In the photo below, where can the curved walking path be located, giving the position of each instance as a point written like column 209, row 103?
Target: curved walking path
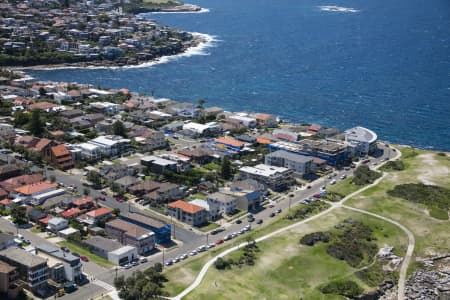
column 403, row 269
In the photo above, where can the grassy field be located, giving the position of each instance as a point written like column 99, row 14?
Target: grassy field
column 431, row 234
column 287, row 270
column 344, row 187
column 83, row 251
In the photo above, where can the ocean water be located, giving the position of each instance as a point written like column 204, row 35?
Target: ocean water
column 375, row 63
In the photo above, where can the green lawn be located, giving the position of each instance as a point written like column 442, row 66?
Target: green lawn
column 344, row 187
column 84, row 251
column 35, row 230
column 285, row 269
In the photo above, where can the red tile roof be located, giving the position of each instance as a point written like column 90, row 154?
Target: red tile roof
column 60, row 150
column 186, row 206
column 42, row 144
column 263, row 141
column 45, row 220
column 5, row 202
column 83, row 201
column 230, row 141
column 14, row 182
column 264, row 117
column 70, row 212
column 35, row 188
column 99, row 212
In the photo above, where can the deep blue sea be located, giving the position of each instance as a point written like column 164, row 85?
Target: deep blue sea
column 385, row 65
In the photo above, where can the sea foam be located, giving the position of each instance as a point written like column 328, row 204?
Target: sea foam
column 334, row 8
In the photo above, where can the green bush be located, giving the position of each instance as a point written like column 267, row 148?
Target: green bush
column 393, row 165
column 315, row 237
column 438, row 213
column 364, row 175
column 435, row 197
column 346, row 288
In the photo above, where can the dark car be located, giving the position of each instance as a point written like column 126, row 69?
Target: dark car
column 251, row 220
column 316, row 196
column 84, row 258
column 65, row 249
column 238, row 221
column 259, row 221
column 278, row 211
column 272, row 215
column 75, row 254
column 218, row 242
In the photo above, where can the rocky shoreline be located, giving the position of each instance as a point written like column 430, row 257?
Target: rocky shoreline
column 197, row 41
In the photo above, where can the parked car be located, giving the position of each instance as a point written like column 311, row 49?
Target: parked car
column 84, row 258
column 104, row 193
column 260, row 221
column 238, row 221
column 308, row 187
column 128, row 266
column 251, row 220
column 278, row 211
column 317, row 196
column 135, row 263
column 75, row 254
column 218, row 242
column 144, row 260
column 272, row 215
column 65, row 249
column 169, row 262
column 343, row 176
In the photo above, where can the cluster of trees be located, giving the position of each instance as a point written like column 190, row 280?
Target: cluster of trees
column 19, row 214
column 364, row 175
column 305, row 211
column 142, row 285
column 346, row 288
column 247, row 257
column 38, row 58
column 353, row 243
column 436, row 198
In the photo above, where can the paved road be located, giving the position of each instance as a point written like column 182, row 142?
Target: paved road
column 333, row 206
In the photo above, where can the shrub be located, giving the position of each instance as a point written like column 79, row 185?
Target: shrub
column 364, row 175
column 315, row 237
column 394, row 165
column 346, row 288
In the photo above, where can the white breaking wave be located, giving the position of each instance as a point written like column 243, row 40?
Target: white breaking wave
column 201, row 11
column 209, row 41
column 338, row 9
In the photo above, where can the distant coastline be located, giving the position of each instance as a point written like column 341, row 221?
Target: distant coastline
column 200, row 42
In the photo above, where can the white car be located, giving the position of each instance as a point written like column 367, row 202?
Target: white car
column 211, row 245
column 333, row 182
column 193, row 253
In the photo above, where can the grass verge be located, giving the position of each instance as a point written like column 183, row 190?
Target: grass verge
column 83, row 251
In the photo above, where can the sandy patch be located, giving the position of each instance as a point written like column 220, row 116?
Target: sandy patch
column 431, row 170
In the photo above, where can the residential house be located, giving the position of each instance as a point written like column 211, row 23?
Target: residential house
column 97, row 215
column 112, row 172
column 166, row 192
column 248, row 194
column 56, row 224
column 221, row 204
column 229, row 143
column 196, row 129
column 275, row 178
column 82, row 204
column 131, row 234
column 158, row 165
column 61, row 157
column 111, row 145
column 201, row 155
column 43, row 148
column 266, row 121
column 145, row 187
column 33, row 270
column 162, row 230
column 246, row 121
column 188, row 213
column 15, row 182
column 35, row 215
column 71, row 213
column 212, row 111
column 3, row 194
column 125, row 182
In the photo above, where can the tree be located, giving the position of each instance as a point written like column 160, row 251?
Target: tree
column 36, row 126
column 116, row 211
column 226, row 171
column 86, row 192
column 19, row 214
column 119, row 282
column 119, row 129
column 20, row 118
